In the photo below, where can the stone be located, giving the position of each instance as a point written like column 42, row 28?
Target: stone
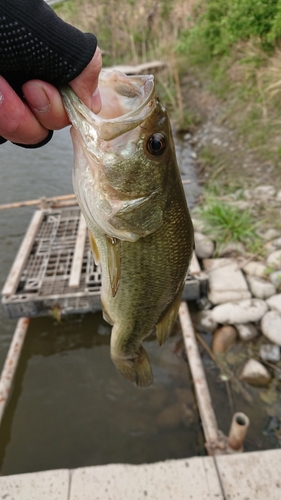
column 241, row 204
column 271, row 326
column 274, row 302
column 204, row 246
column 275, row 278
column 223, row 339
column 255, row 268
column 274, row 259
column 246, row 331
column 203, row 321
column 269, row 234
column 261, row 288
column 226, row 281
column 241, row 311
column 171, row 416
column 198, row 224
column 233, row 247
column 254, row 373
column 277, row 242
column 270, row 352
column 264, row 192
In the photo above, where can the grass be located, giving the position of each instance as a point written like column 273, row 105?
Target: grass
column 244, row 77
column 226, row 223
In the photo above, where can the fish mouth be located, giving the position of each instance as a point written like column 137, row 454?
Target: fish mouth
column 126, row 102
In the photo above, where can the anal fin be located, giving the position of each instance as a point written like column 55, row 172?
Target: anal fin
column 166, row 323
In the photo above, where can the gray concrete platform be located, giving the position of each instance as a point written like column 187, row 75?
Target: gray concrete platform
column 246, row 476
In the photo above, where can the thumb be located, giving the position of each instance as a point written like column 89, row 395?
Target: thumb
column 85, row 85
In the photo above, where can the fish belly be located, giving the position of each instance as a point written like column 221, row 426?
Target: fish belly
column 151, row 277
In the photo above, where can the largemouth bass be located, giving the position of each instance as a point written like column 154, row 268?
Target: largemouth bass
column 129, row 189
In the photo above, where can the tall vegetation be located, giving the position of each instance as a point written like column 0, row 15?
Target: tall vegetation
column 219, row 24
column 232, row 46
column 129, row 30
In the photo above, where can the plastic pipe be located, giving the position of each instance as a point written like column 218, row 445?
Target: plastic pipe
column 238, row 429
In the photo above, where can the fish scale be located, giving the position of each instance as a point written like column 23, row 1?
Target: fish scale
column 128, row 185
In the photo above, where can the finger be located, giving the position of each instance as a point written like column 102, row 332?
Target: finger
column 86, row 84
column 18, row 123
column 46, row 104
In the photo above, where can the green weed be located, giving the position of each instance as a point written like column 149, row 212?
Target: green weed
column 227, row 224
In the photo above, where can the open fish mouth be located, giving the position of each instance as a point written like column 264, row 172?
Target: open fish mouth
column 104, row 143
column 126, row 102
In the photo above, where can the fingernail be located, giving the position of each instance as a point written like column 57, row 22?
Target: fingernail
column 36, row 97
column 96, row 101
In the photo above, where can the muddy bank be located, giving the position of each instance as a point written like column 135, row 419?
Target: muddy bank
column 223, row 154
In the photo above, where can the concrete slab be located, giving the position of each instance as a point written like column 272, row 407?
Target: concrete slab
column 244, row 476
column 251, row 476
column 188, row 479
column 49, row 485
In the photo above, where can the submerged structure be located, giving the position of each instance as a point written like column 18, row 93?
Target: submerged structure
column 55, row 269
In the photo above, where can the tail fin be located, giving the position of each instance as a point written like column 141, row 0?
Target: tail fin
column 135, row 369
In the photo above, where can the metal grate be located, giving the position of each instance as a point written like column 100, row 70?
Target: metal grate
column 44, row 280
column 41, row 277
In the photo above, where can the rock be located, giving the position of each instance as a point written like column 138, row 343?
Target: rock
column 185, row 396
column 271, row 326
column 226, row 281
column 242, row 311
column 233, row 247
column 264, row 192
column 223, row 339
column 198, row 224
column 255, row 373
column 261, row 288
column 269, row 248
column 204, row 247
column 277, row 242
column 255, row 269
column 241, row 204
column 274, row 302
column 171, row 416
column 270, row 352
column 269, row 234
column 246, row 331
column 203, row 321
column 275, row 278
column 274, row 259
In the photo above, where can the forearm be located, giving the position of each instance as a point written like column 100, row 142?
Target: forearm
column 36, row 43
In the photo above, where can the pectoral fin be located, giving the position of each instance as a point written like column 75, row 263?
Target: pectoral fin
column 166, row 323
column 114, row 263
column 94, row 248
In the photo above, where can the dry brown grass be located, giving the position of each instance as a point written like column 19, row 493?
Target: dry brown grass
column 131, row 31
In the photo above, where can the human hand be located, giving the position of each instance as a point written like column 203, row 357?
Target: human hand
column 29, row 123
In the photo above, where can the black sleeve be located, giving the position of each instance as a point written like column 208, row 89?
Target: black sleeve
column 36, row 43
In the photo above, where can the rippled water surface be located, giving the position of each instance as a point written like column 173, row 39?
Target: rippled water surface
column 70, row 407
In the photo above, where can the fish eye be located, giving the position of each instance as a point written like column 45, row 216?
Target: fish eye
column 156, row 144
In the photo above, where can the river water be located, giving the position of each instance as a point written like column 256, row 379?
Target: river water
column 69, row 406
